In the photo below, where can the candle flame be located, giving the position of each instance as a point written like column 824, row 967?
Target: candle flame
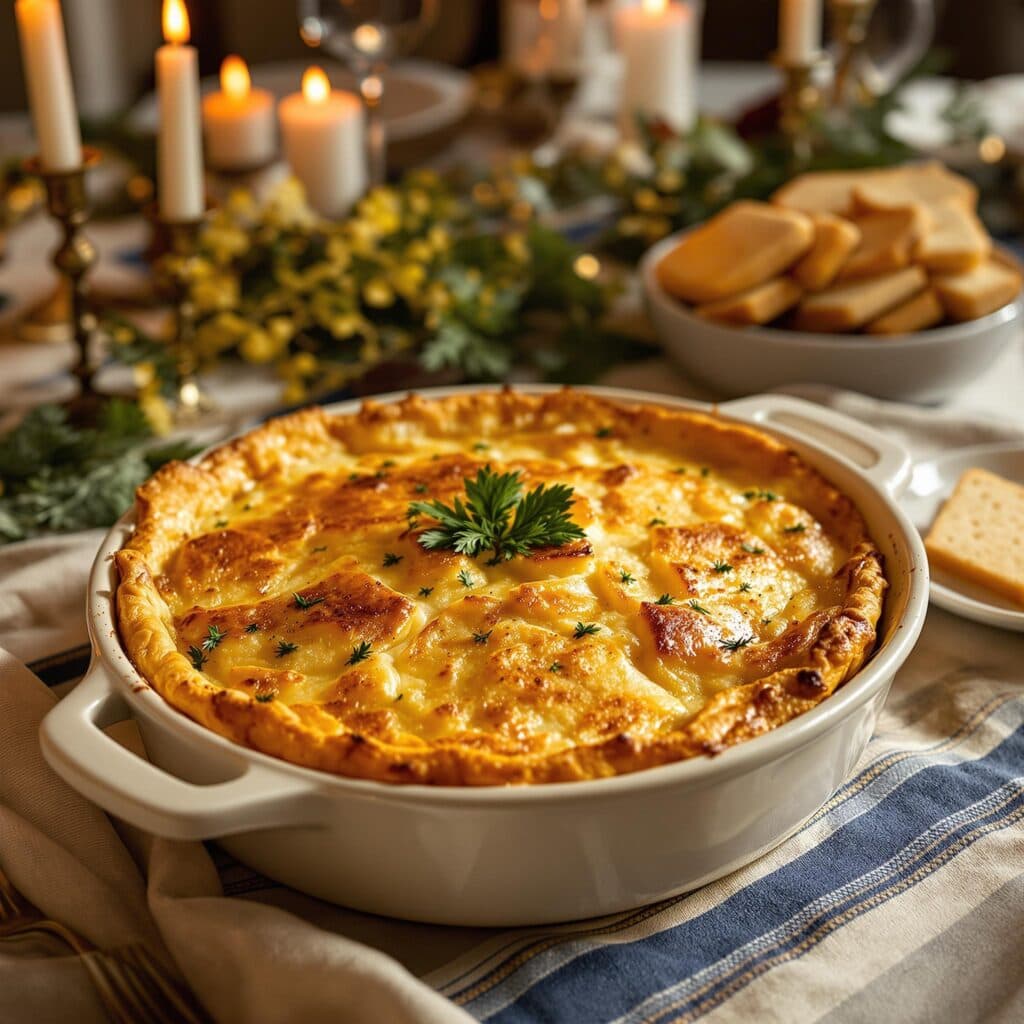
column 234, row 78
column 175, row 18
column 315, row 85
column 654, row 6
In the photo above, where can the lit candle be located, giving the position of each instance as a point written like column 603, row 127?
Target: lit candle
column 44, row 53
column 799, row 30
column 324, row 144
column 179, row 142
column 238, row 122
column 659, row 47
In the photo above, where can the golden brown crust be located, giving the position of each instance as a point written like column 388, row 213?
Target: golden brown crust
column 770, row 591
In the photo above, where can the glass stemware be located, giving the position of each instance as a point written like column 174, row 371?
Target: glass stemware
column 367, row 36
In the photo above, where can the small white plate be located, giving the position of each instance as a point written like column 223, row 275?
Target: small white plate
column 932, row 483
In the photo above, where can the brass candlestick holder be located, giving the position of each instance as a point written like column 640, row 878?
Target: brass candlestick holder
column 68, row 203
column 849, row 20
column 801, row 97
column 176, row 273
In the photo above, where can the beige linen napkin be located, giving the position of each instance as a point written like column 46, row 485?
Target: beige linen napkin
column 247, row 962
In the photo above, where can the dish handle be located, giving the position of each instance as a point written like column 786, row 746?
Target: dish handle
column 884, row 461
column 132, row 788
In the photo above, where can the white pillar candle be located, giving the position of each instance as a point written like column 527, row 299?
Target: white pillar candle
column 44, row 53
column 179, row 140
column 660, row 51
column 324, row 143
column 799, row 30
column 239, row 129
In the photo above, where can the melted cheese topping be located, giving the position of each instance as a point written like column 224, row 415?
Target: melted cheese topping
column 310, row 589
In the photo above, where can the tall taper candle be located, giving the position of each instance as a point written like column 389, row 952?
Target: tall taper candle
column 44, row 53
column 179, row 142
column 799, row 30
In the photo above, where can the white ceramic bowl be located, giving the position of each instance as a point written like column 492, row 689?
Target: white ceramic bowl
column 927, row 366
column 516, row 855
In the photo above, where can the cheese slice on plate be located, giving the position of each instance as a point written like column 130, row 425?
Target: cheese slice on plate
column 979, row 291
column 887, row 242
column 849, row 305
column 743, row 246
column 760, row 305
column 956, row 240
column 834, row 239
column 920, row 313
column 913, row 185
column 821, row 191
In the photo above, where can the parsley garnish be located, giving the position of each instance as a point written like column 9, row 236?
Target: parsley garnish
column 680, row 470
column 796, row 528
column 323, row 547
column 399, row 697
column 197, row 657
column 743, row 588
column 421, row 488
column 603, row 432
column 360, row 652
column 481, row 446
column 306, row 602
column 387, row 463
column 214, row 635
column 220, row 524
column 265, row 698
column 762, row 495
column 497, row 515
column 390, row 558
column 697, row 607
column 482, row 638
column 555, row 666
column 721, row 566
column 585, row 629
column 285, row 647
column 704, row 471
column 426, row 591
column 466, row 579
column 735, row 645
column 253, row 627
column 666, row 599
column 752, row 549
column 627, row 577
column 656, row 522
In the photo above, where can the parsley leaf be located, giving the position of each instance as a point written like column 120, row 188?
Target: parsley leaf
column 306, row 602
column 285, row 647
column 737, row 644
column 265, row 698
column 466, row 579
column 482, row 638
column 360, row 652
column 721, row 566
column 253, row 627
column 197, row 657
column 498, row 516
column 390, row 558
column 666, row 599
column 214, row 635
column 626, row 577
column 585, row 629
column 426, row 591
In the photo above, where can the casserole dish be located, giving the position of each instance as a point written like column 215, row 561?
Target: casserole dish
column 928, row 366
column 515, row 855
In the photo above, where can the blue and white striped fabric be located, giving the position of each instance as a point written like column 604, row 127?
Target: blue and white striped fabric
column 902, row 898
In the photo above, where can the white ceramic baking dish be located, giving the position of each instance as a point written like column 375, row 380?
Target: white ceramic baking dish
column 515, row 855
column 928, row 366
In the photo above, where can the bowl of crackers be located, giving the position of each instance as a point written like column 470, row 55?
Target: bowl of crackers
column 881, row 281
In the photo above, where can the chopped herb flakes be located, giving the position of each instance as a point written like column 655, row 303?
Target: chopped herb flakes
column 666, row 599
column 214, row 635
column 752, row 549
column 197, row 657
column 737, row 644
column 220, row 524
column 585, row 629
column 399, row 697
column 482, row 638
column 421, row 488
column 285, row 647
column 760, row 495
column 426, row 591
column 680, row 470
column 306, row 602
column 390, row 558
column 265, row 698
column 317, row 550
column 698, row 607
column 481, row 446
column 253, row 627
column 360, row 652
column 795, row 528
column 626, row 577
column 721, row 566
column 743, row 588
column 466, row 579
column 555, row 666
column 656, row 522
column 704, row 471
column 603, row 432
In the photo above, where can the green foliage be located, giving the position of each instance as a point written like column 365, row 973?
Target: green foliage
column 57, row 477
